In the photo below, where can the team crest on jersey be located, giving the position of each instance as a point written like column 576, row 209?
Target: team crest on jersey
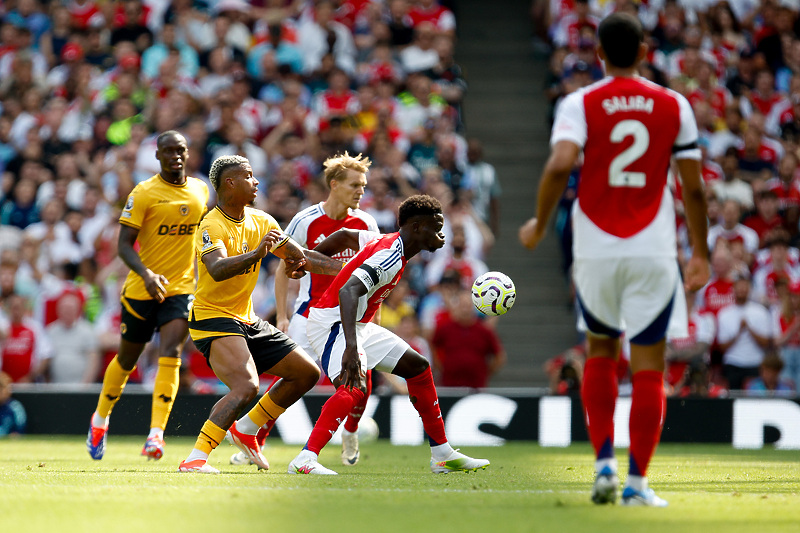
column 123, row 328
column 244, row 247
column 184, row 209
column 206, row 241
column 129, row 203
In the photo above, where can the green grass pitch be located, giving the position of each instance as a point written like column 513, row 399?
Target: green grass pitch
column 49, row 484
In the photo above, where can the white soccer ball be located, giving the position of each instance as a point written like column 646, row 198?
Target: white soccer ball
column 367, row 430
column 493, row 293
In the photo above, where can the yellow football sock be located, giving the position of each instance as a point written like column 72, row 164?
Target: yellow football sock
column 210, row 437
column 164, row 390
column 114, row 382
column 264, row 411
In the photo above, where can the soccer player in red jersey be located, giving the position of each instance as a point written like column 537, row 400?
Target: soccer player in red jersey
column 626, row 272
column 346, row 177
column 341, row 331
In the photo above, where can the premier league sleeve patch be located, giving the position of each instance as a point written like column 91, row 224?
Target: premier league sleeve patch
column 206, row 241
column 129, row 203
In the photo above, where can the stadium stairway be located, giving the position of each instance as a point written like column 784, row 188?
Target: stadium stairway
column 505, row 108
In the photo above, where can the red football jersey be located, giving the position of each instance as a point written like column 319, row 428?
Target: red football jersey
column 629, row 128
column 379, row 265
column 310, row 227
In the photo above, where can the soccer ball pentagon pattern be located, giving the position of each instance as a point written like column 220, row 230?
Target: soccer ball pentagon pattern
column 493, row 293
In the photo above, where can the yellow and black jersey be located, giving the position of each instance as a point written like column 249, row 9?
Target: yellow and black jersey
column 230, row 298
column 167, row 217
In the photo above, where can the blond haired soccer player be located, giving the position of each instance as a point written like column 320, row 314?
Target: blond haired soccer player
column 232, row 240
column 162, row 214
column 346, row 177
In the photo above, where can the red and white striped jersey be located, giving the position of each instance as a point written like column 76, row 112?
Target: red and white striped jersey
column 379, row 265
column 629, row 129
column 310, row 227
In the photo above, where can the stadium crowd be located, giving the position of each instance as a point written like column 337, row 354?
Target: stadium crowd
column 738, row 63
column 86, row 87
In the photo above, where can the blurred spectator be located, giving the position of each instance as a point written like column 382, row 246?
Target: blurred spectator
column 430, row 11
column 421, row 54
column 744, row 334
column 74, row 357
column 25, row 347
column 454, row 257
column 731, row 230
column 718, row 293
column 20, row 209
column 565, row 371
column 484, row 186
column 766, row 218
column 466, row 351
column 13, row 418
column 319, row 34
column 732, row 186
column 776, row 268
column 697, row 383
column 693, row 349
column 787, row 336
column 769, row 382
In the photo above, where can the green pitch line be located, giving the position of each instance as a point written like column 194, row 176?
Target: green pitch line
column 51, row 484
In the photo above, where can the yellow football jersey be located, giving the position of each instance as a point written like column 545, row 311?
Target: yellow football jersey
column 230, row 298
column 167, row 217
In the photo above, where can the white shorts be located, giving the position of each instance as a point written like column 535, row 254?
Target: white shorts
column 378, row 348
column 297, row 332
column 637, row 295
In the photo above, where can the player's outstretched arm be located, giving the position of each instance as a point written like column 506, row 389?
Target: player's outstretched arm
column 299, row 259
column 338, row 241
column 349, row 295
column 694, row 201
column 155, row 284
column 554, row 180
column 222, row 267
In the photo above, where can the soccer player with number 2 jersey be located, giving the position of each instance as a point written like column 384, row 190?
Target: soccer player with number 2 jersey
column 626, row 272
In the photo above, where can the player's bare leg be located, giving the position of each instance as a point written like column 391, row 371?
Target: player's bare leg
column 298, row 374
column 231, row 361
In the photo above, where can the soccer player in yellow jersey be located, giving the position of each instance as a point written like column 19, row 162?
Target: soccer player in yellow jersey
column 162, row 214
column 232, row 240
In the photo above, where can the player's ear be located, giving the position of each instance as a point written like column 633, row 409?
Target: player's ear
column 642, row 51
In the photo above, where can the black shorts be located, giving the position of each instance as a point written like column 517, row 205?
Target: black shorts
column 267, row 345
column 140, row 318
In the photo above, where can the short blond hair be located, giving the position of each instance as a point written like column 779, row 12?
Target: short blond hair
column 336, row 167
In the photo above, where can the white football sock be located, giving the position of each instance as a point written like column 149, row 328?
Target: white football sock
column 196, row 454
column 600, row 464
column 637, row 483
column 98, row 421
column 246, row 426
column 441, row 452
column 156, row 432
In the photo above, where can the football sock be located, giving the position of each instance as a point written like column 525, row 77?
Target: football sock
column 263, row 432
column 354, row 416
column 264, row 411
column 196, row 454
column 114, row 382
column 648, row 406
column 164, row 390
column 637, row 483
column 98, row 421
column 210, row 437
column 422, row 393
column 156, row 432
column 441, row 452
column 599, row 395
column 333, row 412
